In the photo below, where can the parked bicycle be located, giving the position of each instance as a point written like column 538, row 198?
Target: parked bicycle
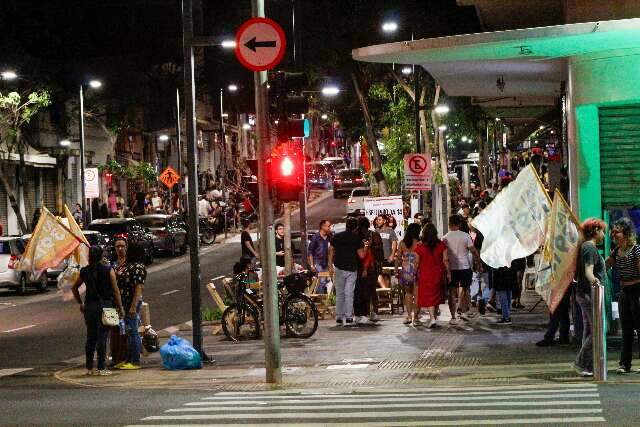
column 298, row 313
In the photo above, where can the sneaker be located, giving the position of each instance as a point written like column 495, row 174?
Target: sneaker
column 622, row 370
column 363, row 321
column 586, row 374
column 504, row 321
column 545, row 343
column 90, row 372
column 129, row 367
column 432, row 324
column 104, row 372
column 339, row 322
column 349, row 322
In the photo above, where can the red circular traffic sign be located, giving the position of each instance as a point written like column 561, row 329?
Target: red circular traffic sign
column 260, row 44
column 417, row 164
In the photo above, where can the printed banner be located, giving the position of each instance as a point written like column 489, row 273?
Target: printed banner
column 391, row 205
column 50, row 243
column 514, row 224
column 79, row 258
column 558, row 265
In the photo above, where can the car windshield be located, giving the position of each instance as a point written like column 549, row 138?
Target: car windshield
column 152, row 222
column 109, row 229
column 350, row 173
column 360, row 193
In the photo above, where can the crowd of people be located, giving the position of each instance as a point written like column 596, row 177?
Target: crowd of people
column 116, row 285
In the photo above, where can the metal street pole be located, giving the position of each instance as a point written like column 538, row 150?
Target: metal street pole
column 86, row 214
column 224, row 162
column 273, row 362
column 416, row 117
column 179, row 142
column 303, row 208
column 192, row 195
column 599, row 333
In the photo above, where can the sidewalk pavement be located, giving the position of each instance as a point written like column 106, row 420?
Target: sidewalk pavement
column 390, row 354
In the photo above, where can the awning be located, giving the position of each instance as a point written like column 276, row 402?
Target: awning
column 34, row 158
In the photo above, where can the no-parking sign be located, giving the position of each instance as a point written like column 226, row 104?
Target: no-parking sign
column 417, row 172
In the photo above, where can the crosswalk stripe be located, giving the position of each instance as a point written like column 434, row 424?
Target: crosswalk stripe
column 421, row 423
column 13, row 371
column 357, row 398
column 389, row 414
column 392, row 405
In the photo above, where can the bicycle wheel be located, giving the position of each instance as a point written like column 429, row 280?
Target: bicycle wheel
column 240, row 324
column 300, row 316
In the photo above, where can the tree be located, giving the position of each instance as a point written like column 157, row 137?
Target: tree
column 16, row 111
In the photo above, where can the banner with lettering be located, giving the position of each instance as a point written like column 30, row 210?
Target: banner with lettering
column 558, row 265
column 79, row 258
column 391, row 205
column 50, row 243
column 514, row 223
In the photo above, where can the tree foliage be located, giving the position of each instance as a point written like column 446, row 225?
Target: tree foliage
column 16, row 111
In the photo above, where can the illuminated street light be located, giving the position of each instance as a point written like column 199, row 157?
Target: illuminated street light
column 464, row 139
column 8, row 75
column 442, row 127
column 95, row 84
column 246, row 126
column 497, row 119
column 229, row 44
column 541, row 127
column 407, row 70
column 390, row 27
column 442, row 109
column 324, row 117
column 65, row 143
column 163, row 137
column 330, row 91
column 232, row 88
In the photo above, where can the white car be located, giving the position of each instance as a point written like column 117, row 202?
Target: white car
column 11, row 249
column 355, row 202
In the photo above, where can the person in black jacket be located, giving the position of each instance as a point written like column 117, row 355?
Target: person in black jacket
column 102, row 291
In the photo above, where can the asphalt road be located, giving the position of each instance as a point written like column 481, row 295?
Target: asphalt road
column 40, row 331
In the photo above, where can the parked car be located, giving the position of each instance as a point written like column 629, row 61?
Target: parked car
column 11, row 249
column 346, row 180
column 319, row 175
column 355, row 203
column 52, row 273
column 95, row 238
column 337, row 162
column 130, row 229
column 168, row 234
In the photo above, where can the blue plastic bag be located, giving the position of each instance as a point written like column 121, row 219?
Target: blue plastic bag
column 178, row 353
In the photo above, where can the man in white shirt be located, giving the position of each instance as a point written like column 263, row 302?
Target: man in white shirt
column 459, row 246
column 204, row 207
column 156, row 201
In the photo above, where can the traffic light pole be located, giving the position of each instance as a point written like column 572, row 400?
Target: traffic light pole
column 273, row 362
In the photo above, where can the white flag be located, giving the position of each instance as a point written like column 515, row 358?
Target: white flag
column 514, row 224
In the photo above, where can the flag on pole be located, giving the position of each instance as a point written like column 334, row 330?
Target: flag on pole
column 79, row 258
column 514, row 224
column 558, row 265
column 50, row 243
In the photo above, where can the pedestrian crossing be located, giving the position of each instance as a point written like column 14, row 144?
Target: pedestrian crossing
column 550, row 404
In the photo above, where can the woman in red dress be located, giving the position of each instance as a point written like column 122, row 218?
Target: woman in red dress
column 433, row 268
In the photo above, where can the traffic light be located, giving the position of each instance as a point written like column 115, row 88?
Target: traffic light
column 287, row 176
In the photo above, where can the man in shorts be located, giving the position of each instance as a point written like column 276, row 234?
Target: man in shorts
column 460, row 249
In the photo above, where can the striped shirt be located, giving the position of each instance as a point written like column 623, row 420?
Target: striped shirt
column 627, row 265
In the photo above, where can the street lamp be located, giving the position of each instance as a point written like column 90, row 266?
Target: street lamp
column 464, row 139
column 390, row 27
column 232, row 88
column 163, row 137
column 324, row 117
column 65, row 143
column 9, row 75
column 442, row 128
column 228, row 44
column 330, row 91
column 95, row 84
column 406, row 70
column 442, row 109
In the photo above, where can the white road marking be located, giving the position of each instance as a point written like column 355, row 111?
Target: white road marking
column 8, row 372
column 385, row 414
column 8, row 331
column 170, row 292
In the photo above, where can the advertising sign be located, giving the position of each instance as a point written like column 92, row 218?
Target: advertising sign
column 391, row 205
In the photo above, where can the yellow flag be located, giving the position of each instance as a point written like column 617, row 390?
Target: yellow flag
column 50, row 243
column 79, row 258
column 558, row 265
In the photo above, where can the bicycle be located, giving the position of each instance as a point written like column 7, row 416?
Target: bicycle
column 298, row 313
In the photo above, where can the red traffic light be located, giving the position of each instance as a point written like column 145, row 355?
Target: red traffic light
column 287, row 177
column 286, row 166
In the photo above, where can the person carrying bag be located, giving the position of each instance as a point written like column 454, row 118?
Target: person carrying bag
column 98, row 307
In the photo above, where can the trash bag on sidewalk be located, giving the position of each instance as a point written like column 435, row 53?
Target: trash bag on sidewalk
column 178, row 353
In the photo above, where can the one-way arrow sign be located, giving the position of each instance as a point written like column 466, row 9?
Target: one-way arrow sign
column 260, row 44
column 253, row 44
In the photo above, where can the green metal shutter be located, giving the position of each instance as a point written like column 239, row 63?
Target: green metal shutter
column 620, row 156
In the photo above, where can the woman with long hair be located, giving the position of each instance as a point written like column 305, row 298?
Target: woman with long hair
column 432, row 271
column 101, row 292
column 625, row 258
column 408, row 277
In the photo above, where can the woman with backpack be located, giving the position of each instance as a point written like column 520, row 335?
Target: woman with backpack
column 408, row 277
column 101, row 292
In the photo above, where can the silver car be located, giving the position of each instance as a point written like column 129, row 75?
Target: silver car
column 169, row 233
column 11, row 249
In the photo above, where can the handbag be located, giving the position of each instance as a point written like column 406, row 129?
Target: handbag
column 110, row 316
